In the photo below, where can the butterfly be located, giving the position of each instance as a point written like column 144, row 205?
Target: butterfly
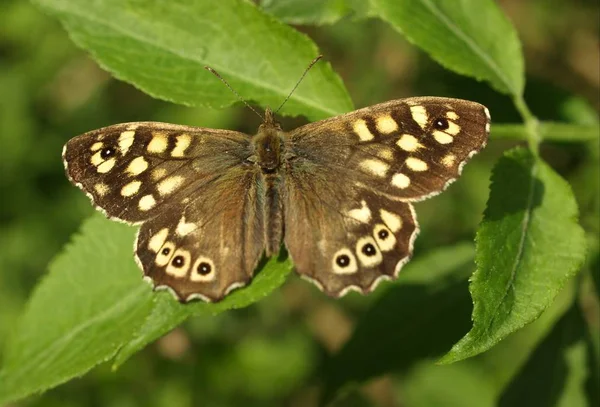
column 337, row 192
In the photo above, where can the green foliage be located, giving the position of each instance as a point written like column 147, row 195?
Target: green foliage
column 80, row 314
column 559, row 366
column 470, row 37
column 435, row 286
column 161, row 47
column 529, row 338
column 167, row 313
column 528, row 246
column 93, row 304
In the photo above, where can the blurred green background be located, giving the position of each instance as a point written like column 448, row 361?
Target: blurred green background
column 269, row 353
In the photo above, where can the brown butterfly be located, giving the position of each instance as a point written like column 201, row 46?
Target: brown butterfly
column 337, row 192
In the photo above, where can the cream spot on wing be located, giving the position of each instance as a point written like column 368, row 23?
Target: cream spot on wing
column 368, row 252
column 180, row 263
column 96, row 159
column 409, row 143
column 453, row 128
column 384, row 237
column 449, row 160
column 452, row 115
column 106, row 166
column 344, row 262
column 159, row 142
column 400, row 181
column 386, row 125
column 442, row 137
column 419, row 114
column 361, row 129
column 168, row 185
column 133, row 126
column 146, row 203
column 164, row 254
column 385, row 153
column 363, row 214
column 131, row 189
column 184, row 228
column 158, row 173
column 182, row 142
column 375, row 167
column 137, row 166
column 126, row 141
column 203, row 270
column 392, row 221
column 416, row 164
column 96, row 146
column 158, row 240
column 101, row 189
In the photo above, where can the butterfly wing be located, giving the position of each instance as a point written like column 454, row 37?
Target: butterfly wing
column 351, row 177
column 191, row 188
column 408, row 149
column 342, row 236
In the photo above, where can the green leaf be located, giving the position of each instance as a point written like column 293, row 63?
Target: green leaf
column 162, row 48
column 471, row 37
column 94, row 303
column 556, row 371
column 316, row 12
column 91, row 302
column 168, row 313
column 528, row 246
column 549, row 131
column 420, row 316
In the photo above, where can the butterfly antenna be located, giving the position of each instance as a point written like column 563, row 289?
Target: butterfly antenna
column 209, row 69
column 314, row 61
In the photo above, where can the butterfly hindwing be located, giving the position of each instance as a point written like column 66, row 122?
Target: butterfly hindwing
column 348, row 237
column 209, row 246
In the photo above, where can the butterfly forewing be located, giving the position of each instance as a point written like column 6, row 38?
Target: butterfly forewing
column 132, row 171
column 408, row 149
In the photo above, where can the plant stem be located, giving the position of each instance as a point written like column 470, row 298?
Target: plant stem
column 532, row 129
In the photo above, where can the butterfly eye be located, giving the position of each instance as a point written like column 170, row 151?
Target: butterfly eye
column 342, row 260
column 441, row 123
column 178, row 261
column 204, row 268
column 107, row 152
column 369, row 250
column 384, row 238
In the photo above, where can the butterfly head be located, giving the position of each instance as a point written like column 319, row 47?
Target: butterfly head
column 269, row 121
column 267, row 143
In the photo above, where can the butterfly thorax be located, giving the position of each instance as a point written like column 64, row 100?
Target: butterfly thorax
column 267, row 144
